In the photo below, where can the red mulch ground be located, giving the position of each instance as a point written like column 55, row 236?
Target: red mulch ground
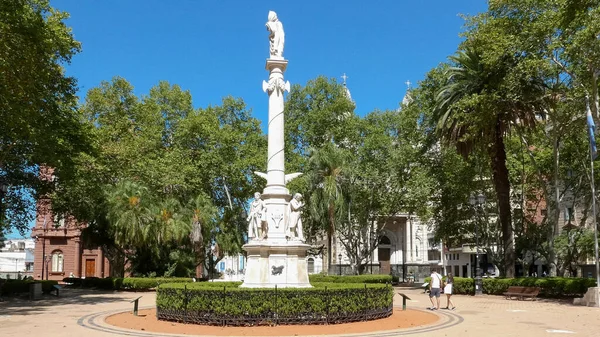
column 147, row 321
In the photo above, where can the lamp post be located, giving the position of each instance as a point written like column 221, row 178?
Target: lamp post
column 47, row 261
column 3, row 191
column 477, row 201
column 340, row 263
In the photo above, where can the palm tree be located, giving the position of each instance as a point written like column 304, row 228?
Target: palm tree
column 327, row 202
column 171, row 223
column 202, row 215
column 138, row 219
column 130, row 213
column 472, row 110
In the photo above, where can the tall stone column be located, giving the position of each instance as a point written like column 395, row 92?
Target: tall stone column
column 274, row 259
column 275, row 87
column 275, row 195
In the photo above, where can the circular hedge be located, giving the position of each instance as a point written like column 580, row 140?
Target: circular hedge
column 224, row 303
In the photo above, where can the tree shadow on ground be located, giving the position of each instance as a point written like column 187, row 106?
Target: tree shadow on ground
column 21, row 305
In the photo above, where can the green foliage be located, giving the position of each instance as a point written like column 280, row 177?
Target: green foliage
column 107, row 283
column 573, row 247
column 119, row 283
column 359, row 172
column 14, row 287
column 141, row 283
column 350, row 279
column 461, row 285
column 550, row 286
column 38, row 117
column 163, row 171
column 317, row 113
column 210, row 298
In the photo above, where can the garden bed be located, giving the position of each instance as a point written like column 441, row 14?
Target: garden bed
column 229, row 305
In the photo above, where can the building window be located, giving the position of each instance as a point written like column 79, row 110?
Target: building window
column 57, row 262
column 311, row 265
column 569, row 214
column 384, row 240
column 59, row 221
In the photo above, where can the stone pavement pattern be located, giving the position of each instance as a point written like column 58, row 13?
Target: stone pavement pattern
column 481, row 316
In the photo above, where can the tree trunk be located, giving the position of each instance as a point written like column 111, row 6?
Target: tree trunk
column 116, row 260
column 329, row 238
column 200, row 257
column 502, row 186
column 554, row 232
column 330, row 231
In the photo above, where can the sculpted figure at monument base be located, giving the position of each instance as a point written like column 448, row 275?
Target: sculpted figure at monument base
column 294, row 228
column 257, row 218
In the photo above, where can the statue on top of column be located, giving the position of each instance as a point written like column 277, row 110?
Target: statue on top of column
column 276, row 36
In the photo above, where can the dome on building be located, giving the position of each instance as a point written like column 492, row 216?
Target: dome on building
column 407, row 97
column 348, row 95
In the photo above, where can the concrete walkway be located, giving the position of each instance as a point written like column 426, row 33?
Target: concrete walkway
column 82, row 312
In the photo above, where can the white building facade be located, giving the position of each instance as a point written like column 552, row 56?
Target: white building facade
column 405, row 248
column 16, row 258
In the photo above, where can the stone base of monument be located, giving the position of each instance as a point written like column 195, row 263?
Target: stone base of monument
column 590, row 299
column 271, row 264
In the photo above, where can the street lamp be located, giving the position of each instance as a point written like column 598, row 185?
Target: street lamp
column 48, row 258
column 340, row 263
column 3, row 191
column 479, row 201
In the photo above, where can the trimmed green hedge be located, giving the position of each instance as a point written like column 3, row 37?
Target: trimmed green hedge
column 13, row 287
column 350, row 278
column 146, row 283
column 128, row 283
column 550, row 286
column 225, row 303
column 141, row 283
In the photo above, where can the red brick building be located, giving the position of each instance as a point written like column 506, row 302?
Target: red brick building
column 59, row 251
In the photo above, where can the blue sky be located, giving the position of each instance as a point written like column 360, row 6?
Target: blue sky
column 216, row 48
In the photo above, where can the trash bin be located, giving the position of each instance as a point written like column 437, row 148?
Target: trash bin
column 35, row 291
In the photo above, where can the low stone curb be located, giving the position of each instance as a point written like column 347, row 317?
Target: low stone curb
column 96, row 321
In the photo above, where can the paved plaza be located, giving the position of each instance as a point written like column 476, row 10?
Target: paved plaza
column 81, row 313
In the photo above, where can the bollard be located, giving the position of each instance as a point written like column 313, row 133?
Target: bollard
column 404, row 298
column 135, row 305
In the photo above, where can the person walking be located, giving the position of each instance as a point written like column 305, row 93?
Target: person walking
column 435, row 286
column 448, row 291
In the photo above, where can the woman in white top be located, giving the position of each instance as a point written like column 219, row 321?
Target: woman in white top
column 448, row 291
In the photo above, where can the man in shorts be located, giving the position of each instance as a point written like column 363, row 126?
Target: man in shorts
column 435, row 287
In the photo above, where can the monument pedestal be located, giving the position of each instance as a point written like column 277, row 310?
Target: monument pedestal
column 590, row 299
column 282, row 264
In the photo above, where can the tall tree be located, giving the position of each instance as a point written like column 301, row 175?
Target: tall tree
column 176, row 153
column 39, row 119
column 475, row 109
column 327, row 201
column 317, row 113
column 555, row 52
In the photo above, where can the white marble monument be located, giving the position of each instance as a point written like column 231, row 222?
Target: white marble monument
column 277, row 253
